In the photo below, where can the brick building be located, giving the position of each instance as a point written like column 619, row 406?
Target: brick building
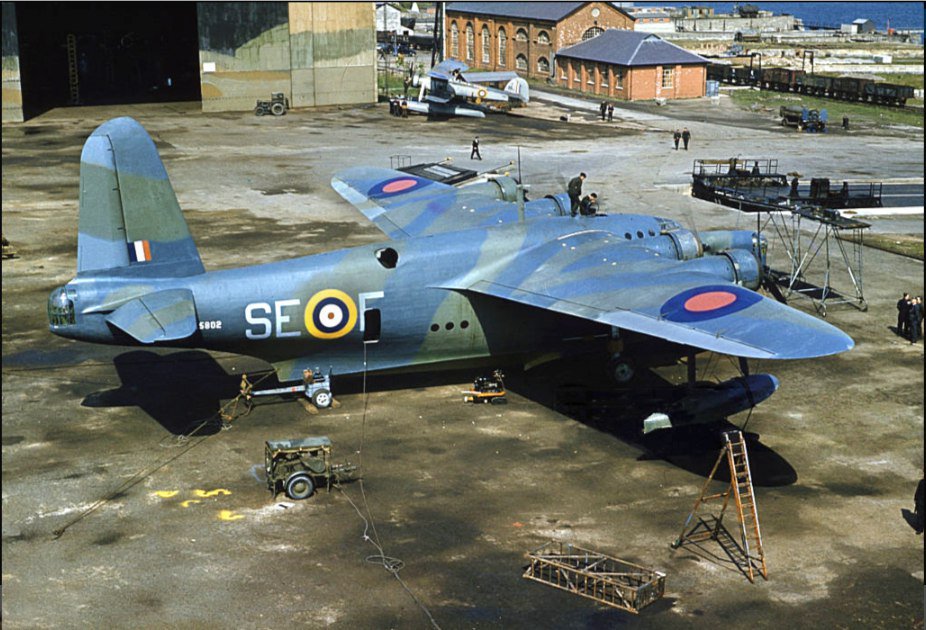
column 523, row 36
column 632, row 66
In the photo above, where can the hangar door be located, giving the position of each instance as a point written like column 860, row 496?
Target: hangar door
column 105, row 53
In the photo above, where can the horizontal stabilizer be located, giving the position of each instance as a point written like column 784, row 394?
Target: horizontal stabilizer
column 162, row 316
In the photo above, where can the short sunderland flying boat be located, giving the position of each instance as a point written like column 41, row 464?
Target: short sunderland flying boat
column 467, row 274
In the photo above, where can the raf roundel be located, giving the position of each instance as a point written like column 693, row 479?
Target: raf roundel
column 396, row 186
column 330, row 314
column 707, row 302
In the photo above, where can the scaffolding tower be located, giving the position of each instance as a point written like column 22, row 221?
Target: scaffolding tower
column 808, row 224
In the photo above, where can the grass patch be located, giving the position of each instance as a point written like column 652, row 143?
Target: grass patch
column 860, row 114
column 902, row 244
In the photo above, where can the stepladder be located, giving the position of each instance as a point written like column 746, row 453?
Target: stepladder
column 748, row 553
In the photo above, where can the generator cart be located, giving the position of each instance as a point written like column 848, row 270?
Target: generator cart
column 298, row 466
column 487, row 389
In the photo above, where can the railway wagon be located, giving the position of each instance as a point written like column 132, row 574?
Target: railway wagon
column 888, row 93
column 780, row 79
column 849, row 88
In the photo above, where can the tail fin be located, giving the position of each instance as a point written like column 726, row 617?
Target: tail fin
column 129, row 215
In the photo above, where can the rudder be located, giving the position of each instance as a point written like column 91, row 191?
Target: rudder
column 129, row 215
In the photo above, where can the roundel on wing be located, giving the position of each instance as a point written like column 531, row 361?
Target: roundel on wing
column 330, row 314
column 707, row 302
column 397, row 186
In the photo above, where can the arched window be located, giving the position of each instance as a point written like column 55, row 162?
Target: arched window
column 502, row 48
column 454, row 39
column 592, row 32
column 521, row 35
column 470, row 42
column 543, row 38
column 486, row 47
column 543, row 65
column 521, row 62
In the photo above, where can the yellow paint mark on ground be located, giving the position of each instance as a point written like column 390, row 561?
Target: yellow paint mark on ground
column 189, row 502
column 211, row 493
column 228, row 515
column 167, row 494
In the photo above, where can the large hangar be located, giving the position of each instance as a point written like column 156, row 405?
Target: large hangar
column 224, row 54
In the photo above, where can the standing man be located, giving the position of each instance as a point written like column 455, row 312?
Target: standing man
column 602, row 108
column 845, row 122
column 474, row 154
column 686, row 136
column 575, row 192
column 903, row 307
column 404, row 108
column 610, row 112
column 676, row 137
column 913, row 320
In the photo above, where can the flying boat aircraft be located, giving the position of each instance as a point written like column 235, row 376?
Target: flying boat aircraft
column 464, row 276
column 448, row 90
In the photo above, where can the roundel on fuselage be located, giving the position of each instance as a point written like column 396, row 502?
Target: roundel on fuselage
column 330, row 314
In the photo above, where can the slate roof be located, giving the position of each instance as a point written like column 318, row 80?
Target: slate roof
column 533, row 11
column 630, row 48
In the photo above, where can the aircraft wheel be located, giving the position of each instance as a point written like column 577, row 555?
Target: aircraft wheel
column 299, row 486
column 322, row 399
column 277, row 109
column 621, row 370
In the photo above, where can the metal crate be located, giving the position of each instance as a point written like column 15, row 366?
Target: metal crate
column 606, row 580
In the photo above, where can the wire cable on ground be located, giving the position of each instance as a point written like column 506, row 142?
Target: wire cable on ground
column 144, row 474
column 392, row 565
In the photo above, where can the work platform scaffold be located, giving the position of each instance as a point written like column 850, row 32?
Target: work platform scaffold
column 824, row 248
column 606, row 580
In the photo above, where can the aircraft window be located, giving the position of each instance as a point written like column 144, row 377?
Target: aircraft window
column 449, row 326
column 639, row 234
column 651, row 232
column 372, row 325
column 434, row 327
column 628, row 235
column 464, row 324
column 387, row 257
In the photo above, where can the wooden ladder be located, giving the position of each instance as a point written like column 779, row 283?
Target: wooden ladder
column 752, row 558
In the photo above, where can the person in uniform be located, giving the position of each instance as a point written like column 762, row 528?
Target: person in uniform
column 589, row 205
column 686, row 136
column 610, row 112
column 676, row 137
column 913, row 319
column 903, row 306
column 575, row 192
column 474, row 153
column 603, row 108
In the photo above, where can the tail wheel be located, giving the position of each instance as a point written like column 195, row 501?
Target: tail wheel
column 299, row 486
column 322, row 399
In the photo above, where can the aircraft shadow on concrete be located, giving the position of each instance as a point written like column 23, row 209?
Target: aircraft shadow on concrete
column 581, row 391
column 180, row 390
column 184, row 389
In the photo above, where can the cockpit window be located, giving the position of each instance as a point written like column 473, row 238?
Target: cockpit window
column 60, row 308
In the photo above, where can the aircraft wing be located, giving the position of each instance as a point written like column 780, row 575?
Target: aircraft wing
column 445, row 68
column 600, row 277
column 402, row 205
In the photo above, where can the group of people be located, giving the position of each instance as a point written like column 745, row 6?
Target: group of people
column 398, row 107
column 910, row 317
column 587, row 205
column 684, row 135
column 607, row 111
